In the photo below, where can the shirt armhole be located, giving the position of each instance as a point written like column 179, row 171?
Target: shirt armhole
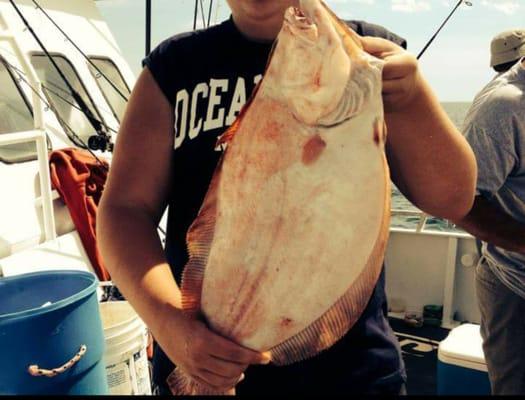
column 154, row 64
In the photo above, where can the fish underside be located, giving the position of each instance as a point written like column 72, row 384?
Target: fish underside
column 290, row 239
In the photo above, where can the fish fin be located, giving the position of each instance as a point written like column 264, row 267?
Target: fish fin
column 340, row 318
column 198, row 240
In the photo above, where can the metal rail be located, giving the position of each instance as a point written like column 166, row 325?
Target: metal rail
column 39, row 136
column 421, row 224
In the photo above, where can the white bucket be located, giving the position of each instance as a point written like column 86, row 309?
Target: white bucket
column 126, row 360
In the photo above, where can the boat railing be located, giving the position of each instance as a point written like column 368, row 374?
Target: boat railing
column 455, row 255
column 38, row 136
column 420, row 225
column 412, row 213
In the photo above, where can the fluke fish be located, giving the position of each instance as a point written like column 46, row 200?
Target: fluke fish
column 289, row 242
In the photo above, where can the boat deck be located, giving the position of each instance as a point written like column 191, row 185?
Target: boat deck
column 419, row 347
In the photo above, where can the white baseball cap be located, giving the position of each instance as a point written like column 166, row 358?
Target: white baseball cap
column 507, row 46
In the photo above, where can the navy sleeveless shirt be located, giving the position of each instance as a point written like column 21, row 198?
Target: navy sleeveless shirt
column 207, row 76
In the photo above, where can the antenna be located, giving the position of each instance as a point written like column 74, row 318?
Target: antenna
column 205, row 23
column 209, row 12
column 468, row 3
column 195, row 14
column 148, row 27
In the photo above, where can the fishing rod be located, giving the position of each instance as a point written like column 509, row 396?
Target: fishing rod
column 16, row 81
column 100, row 141
column 195, row 14
column 73, row 105
column 58, row 88
column 103, row 142
column 70, row 133
column 20, row 72
column 209, row 12
column 148, row 27
column 112, row 84
column 75, row 139
column 65, row 92
column 468, row 3
column 202, row 14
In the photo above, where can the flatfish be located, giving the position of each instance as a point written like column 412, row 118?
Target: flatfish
column 289, row 241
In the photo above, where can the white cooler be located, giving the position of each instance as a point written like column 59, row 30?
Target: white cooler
column 461, row 364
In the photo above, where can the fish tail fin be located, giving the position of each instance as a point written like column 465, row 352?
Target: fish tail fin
column 183, row 385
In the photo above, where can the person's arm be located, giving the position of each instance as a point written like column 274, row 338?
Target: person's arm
column 491, row 132
column 130, row 209
column 430, row 161
column 488, row 222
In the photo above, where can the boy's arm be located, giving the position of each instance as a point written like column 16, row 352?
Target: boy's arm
column 131, row 207
column 430, row 161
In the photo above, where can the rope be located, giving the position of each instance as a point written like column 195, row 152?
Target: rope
column 50, row 373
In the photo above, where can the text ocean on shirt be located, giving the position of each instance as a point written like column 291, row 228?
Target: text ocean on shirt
column 186, row 106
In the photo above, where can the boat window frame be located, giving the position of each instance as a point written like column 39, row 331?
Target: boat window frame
column 18, row 86
column 106, row 58
column 28, row 104
column 52, row 106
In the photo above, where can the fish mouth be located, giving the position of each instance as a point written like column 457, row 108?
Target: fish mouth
column 300, row 16
column 314, row 19
column 298, row 24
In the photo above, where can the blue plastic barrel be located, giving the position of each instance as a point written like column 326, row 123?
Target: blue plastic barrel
column 45, row 319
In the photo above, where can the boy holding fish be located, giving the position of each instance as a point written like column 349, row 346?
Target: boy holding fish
column 198, row 82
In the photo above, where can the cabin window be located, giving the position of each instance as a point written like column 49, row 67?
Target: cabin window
column 15, row 116
column 111, row 71
column 72, row 119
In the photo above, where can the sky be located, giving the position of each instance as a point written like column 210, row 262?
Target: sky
column 456, row 64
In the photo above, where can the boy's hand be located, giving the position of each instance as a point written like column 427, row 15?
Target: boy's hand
column 401, row 76
column 207, row 357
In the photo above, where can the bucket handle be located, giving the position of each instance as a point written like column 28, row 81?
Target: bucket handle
column 50, row 373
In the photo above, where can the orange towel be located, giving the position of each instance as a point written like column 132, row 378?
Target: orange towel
column 80, row 180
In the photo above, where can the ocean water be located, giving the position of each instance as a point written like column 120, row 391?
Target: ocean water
column 456, row 112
